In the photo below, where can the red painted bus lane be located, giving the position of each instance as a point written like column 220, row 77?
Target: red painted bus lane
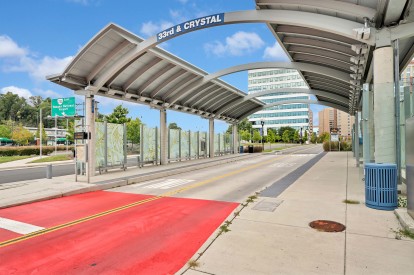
column 157, row 237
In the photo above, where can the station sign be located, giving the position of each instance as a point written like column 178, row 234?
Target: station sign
column 199, row 23
column 63, row 107
column 80, row 135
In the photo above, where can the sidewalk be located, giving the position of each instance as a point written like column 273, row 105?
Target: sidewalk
column 26, row 163
column 262, row 241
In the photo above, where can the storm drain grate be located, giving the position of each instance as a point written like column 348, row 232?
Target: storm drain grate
column 327, row 226
column 266, row 205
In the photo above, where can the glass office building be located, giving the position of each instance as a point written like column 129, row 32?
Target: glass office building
column 293, row 115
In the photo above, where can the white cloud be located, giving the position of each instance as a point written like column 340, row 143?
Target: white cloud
column 83, row 2
column 40, row 68
column 22, row 60
column 47, row 93
column 274, row 52
column 238, row 44
column 16, row 90
column 9, row 48
column 150, row 28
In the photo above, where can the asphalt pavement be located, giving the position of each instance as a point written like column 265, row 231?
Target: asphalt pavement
column 39, row 172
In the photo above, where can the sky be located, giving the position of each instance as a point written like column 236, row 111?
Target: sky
column 39, row 38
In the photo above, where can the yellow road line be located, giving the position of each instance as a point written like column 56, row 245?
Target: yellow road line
column 114, row 210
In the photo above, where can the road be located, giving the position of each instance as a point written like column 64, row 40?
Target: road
column 152, row 227
column 39, row 172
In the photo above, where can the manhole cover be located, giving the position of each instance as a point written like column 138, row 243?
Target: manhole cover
column 327, row 226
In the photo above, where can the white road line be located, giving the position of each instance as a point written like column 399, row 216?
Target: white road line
column 18, row 227
column 168, row 183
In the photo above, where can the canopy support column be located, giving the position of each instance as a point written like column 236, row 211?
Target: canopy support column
column 211, row 137
column 163, row 137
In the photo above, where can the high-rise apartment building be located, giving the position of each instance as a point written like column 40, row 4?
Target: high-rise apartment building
column 330, row 118
column 327, row 120
column 310, row 121
column 407, row 76
column 293, row 115
column 345, row 122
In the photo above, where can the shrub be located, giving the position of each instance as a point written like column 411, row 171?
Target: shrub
column 29, row 150
column 345, row 146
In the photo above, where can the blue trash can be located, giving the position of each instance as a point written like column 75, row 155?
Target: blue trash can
column 381, row 186
column 241, row 149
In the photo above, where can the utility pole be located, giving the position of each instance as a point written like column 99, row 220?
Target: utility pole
column 40, row 132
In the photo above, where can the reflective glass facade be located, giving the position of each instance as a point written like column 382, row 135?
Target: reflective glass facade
column 293, row 115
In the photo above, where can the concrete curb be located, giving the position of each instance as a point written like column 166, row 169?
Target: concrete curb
column 406, row 221
column 37, row 165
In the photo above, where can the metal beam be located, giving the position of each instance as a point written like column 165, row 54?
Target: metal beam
column 182, row 83
column 299, row 101
column 167, row 81
column 289, row 90
column 300, row 66
column 205, row 96
column 318, row 44
column 402, row 31
column 139, row 72
column 320, row 52
column 308, row 33
column 327, row 5
column 144, row 86
column 331, row 63
column 102, row 63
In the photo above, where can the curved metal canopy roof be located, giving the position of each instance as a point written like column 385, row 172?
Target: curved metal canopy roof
column 337, row 52
column 155, row 78
column 319, row 37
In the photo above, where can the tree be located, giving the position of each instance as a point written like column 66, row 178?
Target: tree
column 305, row 136
column 296, row 136
column 70, row 135
column 21, row 135
column 245, row 135
column 119, row 115
column 282, row 130
column 313, row 137
column 271, row 136
column 5, row 131
column 44, row 135
column 133, row 130
column 278, row 138
column 174, row 125
column 244, row 125
column 256, row 136
column 286, row 136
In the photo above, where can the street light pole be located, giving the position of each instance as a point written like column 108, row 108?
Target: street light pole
column 55, row 134
column 40, row 133
column 262, row 122
column 67, row 130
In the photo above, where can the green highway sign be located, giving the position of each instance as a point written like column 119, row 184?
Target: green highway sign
column 63, row 107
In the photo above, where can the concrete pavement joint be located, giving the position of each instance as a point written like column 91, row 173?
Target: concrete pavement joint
column 275, row 223
column 380, row 237
column 346, row 209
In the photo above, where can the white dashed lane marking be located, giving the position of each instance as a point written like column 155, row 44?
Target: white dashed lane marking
column 18, row 227
column 168, row 183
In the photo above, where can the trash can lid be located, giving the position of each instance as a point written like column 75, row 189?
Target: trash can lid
column 380, row 165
